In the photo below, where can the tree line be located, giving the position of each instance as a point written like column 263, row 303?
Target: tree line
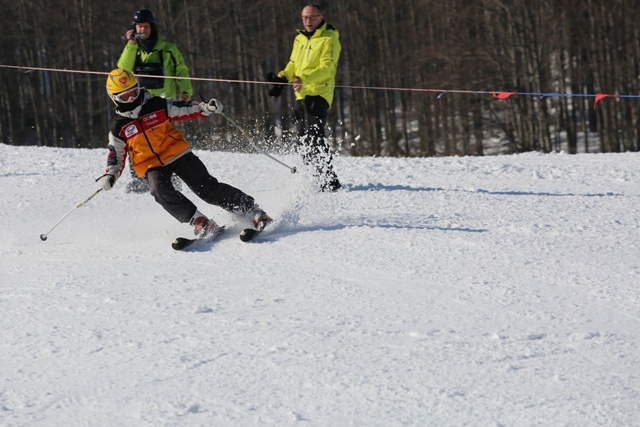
column 415, row 78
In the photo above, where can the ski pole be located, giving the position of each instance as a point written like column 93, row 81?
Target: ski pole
column 43, row 237
column 255, row 147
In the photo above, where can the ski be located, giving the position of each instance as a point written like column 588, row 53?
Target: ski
column 184, row 243
column 248, row 234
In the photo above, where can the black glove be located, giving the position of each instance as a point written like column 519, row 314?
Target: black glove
column 276, row 90
column 106, row 181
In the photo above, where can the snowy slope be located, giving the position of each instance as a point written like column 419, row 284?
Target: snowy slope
column 496, row 291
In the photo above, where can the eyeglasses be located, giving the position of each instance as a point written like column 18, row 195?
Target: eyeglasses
column 128, row 95
column 310, row 18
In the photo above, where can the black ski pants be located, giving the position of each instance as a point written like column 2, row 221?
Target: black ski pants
column 310, row 116
column 195, row 175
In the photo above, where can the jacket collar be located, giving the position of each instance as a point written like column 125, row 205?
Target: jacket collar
column 149, row 46
column 318, row 31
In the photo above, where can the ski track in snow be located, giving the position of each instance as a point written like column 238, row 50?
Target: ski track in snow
column 449, row 291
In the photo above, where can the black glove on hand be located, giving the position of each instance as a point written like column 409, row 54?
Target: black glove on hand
column 106, row 181
column 276, row 90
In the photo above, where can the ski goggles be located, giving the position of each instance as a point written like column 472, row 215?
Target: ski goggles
column 128, row 95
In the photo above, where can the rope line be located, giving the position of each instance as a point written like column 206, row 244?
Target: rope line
column 497, row 94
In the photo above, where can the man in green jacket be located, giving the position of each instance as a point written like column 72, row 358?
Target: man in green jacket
column 312, row 70
column 146, row 53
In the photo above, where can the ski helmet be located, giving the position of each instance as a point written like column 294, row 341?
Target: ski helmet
column 122, row 86
column 144, row 15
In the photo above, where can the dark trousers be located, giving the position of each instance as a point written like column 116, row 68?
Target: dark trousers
column 196, row 176
column 311, row 116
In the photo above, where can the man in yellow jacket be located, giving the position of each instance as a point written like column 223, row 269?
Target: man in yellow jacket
column 312, row 71
column 147, row 53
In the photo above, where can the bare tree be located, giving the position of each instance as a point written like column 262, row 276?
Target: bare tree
column 414, row 79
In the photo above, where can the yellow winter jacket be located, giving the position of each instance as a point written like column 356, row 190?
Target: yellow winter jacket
column 315, row 60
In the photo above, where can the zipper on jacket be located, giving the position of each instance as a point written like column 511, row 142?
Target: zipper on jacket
column 149, row 142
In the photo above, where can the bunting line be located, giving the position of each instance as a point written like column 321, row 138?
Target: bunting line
column 498, row 95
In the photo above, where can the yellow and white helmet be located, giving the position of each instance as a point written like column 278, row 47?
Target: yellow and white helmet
column 122, row 86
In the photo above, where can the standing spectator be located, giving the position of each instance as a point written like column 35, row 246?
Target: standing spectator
column 312, row 70
column 147, row 53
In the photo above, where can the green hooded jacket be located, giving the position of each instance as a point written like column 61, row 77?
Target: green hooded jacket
column 173, row 64
column 315, row 60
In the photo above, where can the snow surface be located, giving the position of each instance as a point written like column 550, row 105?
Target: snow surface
column 494, row 291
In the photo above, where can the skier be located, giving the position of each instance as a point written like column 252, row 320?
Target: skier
column 312, row 69
column 142, row 129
